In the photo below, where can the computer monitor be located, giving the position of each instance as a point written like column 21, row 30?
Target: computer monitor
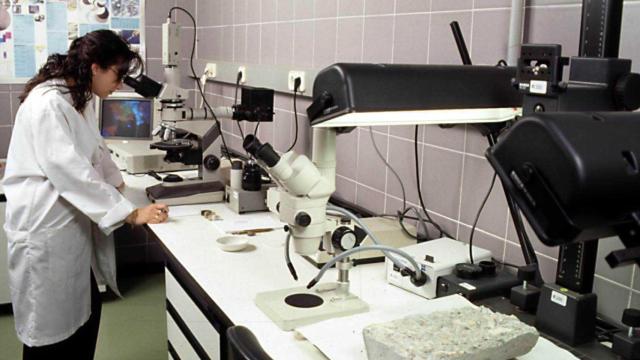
column 126, row 116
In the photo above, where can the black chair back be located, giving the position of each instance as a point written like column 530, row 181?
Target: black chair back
column 243, row 345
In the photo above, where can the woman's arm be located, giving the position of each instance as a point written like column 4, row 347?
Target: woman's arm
column 71, row 172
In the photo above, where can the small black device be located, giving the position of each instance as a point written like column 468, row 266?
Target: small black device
column 172, row 178
column 526, row 296
column 481, row 287
column 256, row 105
column 627, row 343
column 566, row 315
column 468, row 271
column 251, row 177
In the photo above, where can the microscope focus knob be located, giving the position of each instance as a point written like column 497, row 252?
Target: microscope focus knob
column 303, row 219
column 631, row 317
column 344, row 238
column 211, row 162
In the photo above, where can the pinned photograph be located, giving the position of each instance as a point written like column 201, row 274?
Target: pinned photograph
column 101, row 11
column 131, row 36
column 72, row 5
column 125, row 8
column 72, row 28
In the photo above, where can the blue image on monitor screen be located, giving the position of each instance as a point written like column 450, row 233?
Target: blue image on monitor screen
column 126, row 118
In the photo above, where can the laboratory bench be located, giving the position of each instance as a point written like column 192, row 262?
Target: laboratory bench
column 209, row 290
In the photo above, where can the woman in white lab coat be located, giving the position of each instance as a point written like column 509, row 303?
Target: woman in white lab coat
column 63, row 199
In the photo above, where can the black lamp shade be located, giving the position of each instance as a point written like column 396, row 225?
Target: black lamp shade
column 364, row 88
column 576, row 176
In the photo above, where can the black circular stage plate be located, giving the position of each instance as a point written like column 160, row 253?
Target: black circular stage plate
column 303, row 300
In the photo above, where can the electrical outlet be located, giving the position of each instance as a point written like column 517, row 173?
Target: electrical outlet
column 292, row 77
column 211, row 71
column 243, row 70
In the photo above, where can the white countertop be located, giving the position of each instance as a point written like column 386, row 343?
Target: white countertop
column 232, row 279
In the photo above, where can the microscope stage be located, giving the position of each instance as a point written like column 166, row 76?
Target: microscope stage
column 310, row 309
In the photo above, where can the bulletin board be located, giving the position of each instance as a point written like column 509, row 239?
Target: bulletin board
column 31, row 30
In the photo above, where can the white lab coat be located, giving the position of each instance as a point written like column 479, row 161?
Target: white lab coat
column 62, row 205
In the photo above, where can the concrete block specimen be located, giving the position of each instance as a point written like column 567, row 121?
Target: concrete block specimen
column 462, row 334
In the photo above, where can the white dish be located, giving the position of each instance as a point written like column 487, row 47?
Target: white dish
column 232, row 242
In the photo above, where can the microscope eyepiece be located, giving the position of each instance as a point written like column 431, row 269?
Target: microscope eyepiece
column 263, row 152
column 144, row 85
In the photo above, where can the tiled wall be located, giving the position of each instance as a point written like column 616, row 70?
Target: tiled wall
column 454, row 173
column 8, row 106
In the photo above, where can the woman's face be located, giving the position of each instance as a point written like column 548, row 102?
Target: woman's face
column 104, row 81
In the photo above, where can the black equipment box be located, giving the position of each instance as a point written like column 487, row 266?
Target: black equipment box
column 483, row 287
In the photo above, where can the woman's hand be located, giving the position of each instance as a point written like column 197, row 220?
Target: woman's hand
column 151, row 214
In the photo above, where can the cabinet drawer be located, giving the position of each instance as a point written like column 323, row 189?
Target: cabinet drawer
column 180, row 344
column 198, row 325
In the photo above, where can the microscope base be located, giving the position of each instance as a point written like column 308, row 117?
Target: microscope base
column 193, row 192
column 288, row 317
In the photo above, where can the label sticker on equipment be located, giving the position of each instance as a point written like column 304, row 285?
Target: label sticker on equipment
column 558, row 298
column 467, row 286
column 538, row 87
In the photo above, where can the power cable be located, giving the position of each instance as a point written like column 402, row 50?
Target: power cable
column 296, row 86
column 424, row 208
column 475, row 222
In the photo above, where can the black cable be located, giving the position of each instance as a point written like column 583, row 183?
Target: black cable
column 400, row 215
column 287, row 258
column 504, row 263
column 296, row 86
column 193, row 72
column 420, row 221
column 475, row 222
column 528, row 252
column 255, row 130
column 235, row 101
column 424, row 208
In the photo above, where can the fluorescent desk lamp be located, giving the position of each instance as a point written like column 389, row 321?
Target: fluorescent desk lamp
column 349, row 95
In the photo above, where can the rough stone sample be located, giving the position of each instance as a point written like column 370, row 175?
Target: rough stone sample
column 461, row 334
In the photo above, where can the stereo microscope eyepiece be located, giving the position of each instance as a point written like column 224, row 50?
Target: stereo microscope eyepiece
column 263, row 152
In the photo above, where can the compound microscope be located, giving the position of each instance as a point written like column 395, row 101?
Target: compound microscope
column 195, row 145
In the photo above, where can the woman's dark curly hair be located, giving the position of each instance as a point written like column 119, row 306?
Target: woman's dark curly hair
column 102, row 47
